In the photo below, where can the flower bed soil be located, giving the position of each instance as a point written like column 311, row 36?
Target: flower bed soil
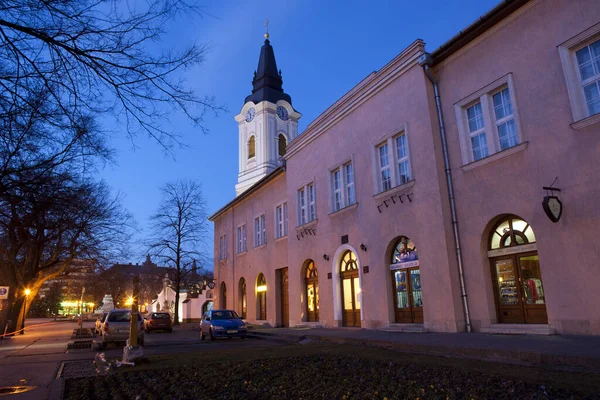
column 313, row 376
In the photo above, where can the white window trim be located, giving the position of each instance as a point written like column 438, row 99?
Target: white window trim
column 304, row 187
column 392, row 159
column 341, row 166
column 484, row 95
column 262, row 233
column 566, row 50
column 284, row 222
column 242, row 245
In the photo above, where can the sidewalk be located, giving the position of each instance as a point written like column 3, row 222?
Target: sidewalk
column 582, row 352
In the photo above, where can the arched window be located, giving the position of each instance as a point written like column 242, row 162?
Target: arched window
column 223, row 302
column 312, row 292
column 251, row 147
column 350, row 289
column 242, row 297
column 511, row 232
column 406, row 279
column 282, row 144
column 516, row 274
column 261, row 297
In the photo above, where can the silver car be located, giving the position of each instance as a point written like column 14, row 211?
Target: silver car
column 116, row 327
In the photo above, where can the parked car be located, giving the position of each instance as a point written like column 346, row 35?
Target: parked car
column 116, row 327
column 222, row 323
column 158, row 321
column 99, row 321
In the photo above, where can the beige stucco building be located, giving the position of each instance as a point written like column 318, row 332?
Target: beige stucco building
column 414, row 202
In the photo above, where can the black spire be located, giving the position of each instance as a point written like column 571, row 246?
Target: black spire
column 267, row 83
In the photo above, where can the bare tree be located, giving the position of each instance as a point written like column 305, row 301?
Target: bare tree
column 179, row 231
column 93, row 57
column 43, row 229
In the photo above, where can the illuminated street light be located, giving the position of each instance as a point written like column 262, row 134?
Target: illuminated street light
column 27, row 292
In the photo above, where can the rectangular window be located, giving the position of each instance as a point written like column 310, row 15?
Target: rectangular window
column 477, row 132
column 223, row 247
column 281, row 221
column 312, row 214
column 487, row 121
column 384, row 168
column 260, row 235
column 349, row 182
column 342, row 187
column 402, row 159
column 588, row 64
column 241, row 242
column 306, row 204
column 301, row 207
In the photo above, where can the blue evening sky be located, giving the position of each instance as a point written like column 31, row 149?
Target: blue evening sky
column 323, row 48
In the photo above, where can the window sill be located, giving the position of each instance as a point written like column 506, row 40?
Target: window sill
column 584, row 123
column 343, row 210
column 495, row 157
column 281, row 239
column 260, row 247
column 242, row 253
column 307, row 225
column 394, row 190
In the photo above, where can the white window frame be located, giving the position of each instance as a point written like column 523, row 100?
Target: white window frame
column 241, row 239
column 281, row 223
column 339, row 198
column 306, row 209
column 223, row 247
column 567, row 50
column 490, row 124
column 394, row 162
column 260, row 230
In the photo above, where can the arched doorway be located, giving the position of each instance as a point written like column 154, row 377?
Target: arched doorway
column 406, row 282
column 312, row 292
column 516, row 273
column 261, row 297
column 350, row 289
column 242, row 297
column 223, row 297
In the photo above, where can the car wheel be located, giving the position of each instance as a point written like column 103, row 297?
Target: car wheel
column 202, row 337
column 244, row 337
column 148, row 331
column 170, row 330
column 210, row 332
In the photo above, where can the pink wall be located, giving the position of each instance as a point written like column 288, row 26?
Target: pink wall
column 527, row 48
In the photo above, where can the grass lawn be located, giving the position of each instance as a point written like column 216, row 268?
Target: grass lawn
column 327, row 371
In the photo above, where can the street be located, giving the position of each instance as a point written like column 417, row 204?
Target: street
column 35, row 357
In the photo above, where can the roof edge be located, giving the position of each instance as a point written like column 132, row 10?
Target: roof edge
column 480, row 26
column 276, row 172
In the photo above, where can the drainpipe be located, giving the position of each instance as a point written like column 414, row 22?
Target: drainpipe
column 425, row 61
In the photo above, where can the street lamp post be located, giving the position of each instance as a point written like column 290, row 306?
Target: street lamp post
column 27, row 291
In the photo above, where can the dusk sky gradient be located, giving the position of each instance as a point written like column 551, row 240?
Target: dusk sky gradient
column 323, row 48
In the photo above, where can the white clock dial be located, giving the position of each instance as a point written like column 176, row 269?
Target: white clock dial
column 250, row 114
column 282, row 113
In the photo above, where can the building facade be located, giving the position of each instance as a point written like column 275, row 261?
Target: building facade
column 414, row 202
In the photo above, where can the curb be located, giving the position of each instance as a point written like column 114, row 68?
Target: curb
column 496, row 355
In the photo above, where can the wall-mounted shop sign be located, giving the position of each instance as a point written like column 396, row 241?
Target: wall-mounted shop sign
column 552, row 207
column 512, row 250
column 407, row 264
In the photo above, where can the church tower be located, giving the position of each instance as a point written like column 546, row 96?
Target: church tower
column 267, row 122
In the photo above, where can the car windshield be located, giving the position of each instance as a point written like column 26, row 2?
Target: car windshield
column 160, row 316
column 122, row 316
column 227, row 314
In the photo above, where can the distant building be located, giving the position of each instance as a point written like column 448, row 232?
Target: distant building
column 382, row 215
column 71, row 283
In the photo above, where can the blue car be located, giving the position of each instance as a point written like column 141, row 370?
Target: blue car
column 222, row 323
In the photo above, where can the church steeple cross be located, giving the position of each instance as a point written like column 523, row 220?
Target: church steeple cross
column 267, row 29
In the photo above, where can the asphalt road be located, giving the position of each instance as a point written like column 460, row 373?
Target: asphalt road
column 35, row 357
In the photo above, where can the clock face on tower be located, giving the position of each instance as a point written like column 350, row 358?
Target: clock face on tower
column 250, row 114
column 282, row 113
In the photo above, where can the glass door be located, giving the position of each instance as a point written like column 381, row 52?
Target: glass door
column 401, row 296
column 532, row 289
column 351, row 303
column 417, row 296
column 508, row 292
